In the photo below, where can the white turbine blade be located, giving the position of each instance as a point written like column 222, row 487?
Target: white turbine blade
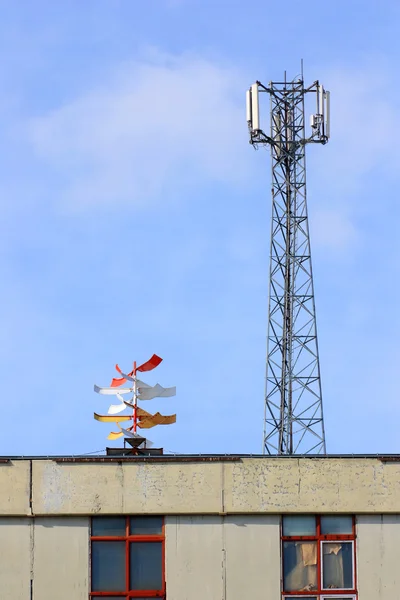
column 142, row 384
column 112, row 391
column 126, row 376
column 146, row 444
column 149, row 393
column 130, row 434
column 156, row 392
column 115, row 409
column 168, row 392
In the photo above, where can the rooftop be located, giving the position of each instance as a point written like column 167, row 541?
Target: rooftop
column 196, row 457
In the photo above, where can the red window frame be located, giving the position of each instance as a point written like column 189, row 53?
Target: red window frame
column 320, row 593
column 129, row 539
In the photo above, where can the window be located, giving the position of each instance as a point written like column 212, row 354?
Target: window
column 338, row 598
column 127, row 558
column 330, row 597
column 301, row 597
column 318, row 557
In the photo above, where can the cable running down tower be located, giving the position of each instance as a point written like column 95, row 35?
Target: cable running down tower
column 293, row 421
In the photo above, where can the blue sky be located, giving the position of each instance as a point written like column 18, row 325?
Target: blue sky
column 136, row 217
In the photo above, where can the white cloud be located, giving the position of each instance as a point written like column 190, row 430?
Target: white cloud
column 361, row 156
column 153, row 128
column 363, row 129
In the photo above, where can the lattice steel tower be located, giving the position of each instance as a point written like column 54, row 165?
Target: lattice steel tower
column 293, row 422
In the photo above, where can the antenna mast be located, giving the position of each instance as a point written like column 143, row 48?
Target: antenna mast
column 293, row 420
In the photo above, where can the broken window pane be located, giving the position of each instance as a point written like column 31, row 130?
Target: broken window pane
column 108, row 567
column 299, row 525
column 337, row 525
column 299, row 566
column 146, row 566
column 337, row 565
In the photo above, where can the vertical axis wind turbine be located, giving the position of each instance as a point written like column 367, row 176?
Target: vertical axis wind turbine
column 293, row 420
column 138, row 390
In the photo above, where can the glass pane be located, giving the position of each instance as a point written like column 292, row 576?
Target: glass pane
column 146, row 566
column 299, row 525
column 299, row 566
column 146, row 525
column 338, row 524
column 337, row 567
column 108, row 526
column 108, row 567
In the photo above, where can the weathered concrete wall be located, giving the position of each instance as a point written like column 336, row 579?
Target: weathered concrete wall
column 61, row 558
column 14, row 488
column 312, row 486
column 248, row 486
column 15, row 558
column 222, row 557
column 211, row 556
column 194, row 558
column 252, row 557
column 378, row 544
column 126, row 488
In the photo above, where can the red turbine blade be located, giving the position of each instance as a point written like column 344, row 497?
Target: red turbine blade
column 150, row 364
column 117, row 382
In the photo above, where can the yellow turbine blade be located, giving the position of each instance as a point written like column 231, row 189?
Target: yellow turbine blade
column 111, row 418
column 156, row 419
column 114, row 436
column 142, row 413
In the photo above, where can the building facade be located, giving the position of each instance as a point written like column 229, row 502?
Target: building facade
column 200, row 528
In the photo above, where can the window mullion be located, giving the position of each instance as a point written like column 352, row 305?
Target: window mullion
column 318, row 519
column 319, row 561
